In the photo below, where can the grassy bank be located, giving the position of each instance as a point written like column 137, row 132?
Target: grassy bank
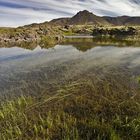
column 73, row 114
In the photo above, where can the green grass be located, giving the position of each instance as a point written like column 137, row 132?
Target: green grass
column 72, row 114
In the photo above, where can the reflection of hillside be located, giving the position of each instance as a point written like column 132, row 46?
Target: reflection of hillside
column 88, row 43
column 82, row 44
column 27, row 45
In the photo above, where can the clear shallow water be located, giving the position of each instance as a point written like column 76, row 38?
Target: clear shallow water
column 32, row 72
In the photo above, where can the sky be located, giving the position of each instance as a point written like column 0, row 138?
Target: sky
column 14, row 13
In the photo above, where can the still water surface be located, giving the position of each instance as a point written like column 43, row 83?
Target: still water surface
column 24, row 71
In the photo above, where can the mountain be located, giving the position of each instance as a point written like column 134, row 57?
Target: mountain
column 88, row 18
column 81, row 18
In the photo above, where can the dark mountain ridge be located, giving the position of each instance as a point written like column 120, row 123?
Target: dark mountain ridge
column 88, row 18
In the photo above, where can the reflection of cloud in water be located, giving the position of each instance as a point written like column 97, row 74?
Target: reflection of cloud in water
column 115, row 56
column 22, row 69
column 102, row 55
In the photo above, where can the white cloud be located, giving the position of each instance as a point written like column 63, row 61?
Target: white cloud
column 21, row 12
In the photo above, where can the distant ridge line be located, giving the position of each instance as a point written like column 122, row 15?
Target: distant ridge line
column 88, row 18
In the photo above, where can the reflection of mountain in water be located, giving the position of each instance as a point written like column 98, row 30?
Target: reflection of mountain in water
column 84, row 44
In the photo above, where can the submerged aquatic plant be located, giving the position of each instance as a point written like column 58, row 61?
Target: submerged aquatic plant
column 77, row 111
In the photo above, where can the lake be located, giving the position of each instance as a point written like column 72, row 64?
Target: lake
column 38, row 71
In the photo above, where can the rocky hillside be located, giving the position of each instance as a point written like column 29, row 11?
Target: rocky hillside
column 30, row 33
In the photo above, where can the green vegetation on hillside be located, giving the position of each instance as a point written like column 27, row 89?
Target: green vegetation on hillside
column 28, row 34
column 114, row 31
column 124, row 33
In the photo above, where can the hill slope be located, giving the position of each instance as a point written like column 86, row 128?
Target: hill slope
column 88, row 18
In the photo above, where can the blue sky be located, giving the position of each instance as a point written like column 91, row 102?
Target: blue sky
column 15, row 13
